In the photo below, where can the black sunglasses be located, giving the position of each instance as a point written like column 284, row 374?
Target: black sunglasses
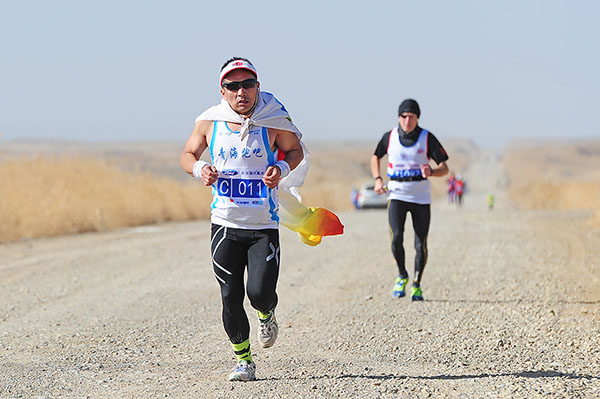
column 235, row 86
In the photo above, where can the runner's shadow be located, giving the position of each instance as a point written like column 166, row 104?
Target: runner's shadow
column 524, row 374
column 385, row 377
column 497, row 301
column 337, row 377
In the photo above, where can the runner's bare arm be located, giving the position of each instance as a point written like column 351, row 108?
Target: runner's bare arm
column 193, row 149
column 376, row 173
column 289, row 143
column 440, row 170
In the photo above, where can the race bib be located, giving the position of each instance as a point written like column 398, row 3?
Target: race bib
column 402, row 173
column 241, row 188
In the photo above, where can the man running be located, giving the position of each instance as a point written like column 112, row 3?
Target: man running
column 460, row 189
column 490, row 201
column 409, row 148
column 451, row 188
column 244, row 173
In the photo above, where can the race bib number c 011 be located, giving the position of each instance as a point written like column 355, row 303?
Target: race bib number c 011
column 241, row 188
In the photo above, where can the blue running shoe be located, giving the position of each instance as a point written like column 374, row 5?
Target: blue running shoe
column 400, row 287
column 417, row 294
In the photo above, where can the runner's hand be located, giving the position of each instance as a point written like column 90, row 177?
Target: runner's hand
column 379, row 188
column 272, row 176
column 209, row 175
column 426, row 170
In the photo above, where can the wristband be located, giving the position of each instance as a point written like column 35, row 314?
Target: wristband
column 431, row 170
column 197, row 171
column 378, row 177
column 284, row 167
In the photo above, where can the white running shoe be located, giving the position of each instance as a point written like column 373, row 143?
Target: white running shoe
column 267, row 335
column 244, row 371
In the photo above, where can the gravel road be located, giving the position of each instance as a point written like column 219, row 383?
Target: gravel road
column 512, row 309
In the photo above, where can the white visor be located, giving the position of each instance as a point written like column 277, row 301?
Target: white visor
column 236, row 64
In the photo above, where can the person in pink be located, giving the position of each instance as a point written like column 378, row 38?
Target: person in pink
column 459, row 189
column 451, row 187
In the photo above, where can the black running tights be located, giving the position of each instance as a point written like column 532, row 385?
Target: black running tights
column 232, row 251
column 421, row 217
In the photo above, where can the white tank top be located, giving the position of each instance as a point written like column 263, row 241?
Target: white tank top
column 240, row 197
column 405, row 163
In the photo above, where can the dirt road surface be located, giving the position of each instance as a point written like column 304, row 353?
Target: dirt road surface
column 512, row 309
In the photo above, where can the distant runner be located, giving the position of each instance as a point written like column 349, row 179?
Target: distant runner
column 490, row 201
column 459, row 189
column 409, row 148
column 451, row 188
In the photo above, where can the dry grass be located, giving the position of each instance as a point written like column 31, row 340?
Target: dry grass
column 337, row 167
column 58, row 193
column 334, row 170
column 52, row 196
column 555, row 175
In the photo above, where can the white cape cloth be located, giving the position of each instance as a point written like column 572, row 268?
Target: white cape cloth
column 311, row 224
column 269, row 112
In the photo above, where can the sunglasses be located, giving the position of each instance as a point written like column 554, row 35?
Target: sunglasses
column 404, row 116
column 245, row 84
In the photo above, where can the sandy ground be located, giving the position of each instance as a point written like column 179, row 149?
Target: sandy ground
column 512, row 309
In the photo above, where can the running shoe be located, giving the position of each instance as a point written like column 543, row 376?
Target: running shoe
column 267, row 333
column 417, row 294
column 400, row 287
column 244, row 371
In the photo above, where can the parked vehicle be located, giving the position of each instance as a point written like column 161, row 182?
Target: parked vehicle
column 366, row 197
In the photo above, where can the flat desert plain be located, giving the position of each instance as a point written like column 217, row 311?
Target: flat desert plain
column 512, row 299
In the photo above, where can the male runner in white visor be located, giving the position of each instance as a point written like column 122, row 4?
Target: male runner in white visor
column 248, row 159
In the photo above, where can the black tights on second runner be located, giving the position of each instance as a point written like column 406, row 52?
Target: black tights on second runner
column 232, row 251
column 421, row 216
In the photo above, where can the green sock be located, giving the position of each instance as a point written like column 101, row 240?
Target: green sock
column 263, row 316
column 242, row 351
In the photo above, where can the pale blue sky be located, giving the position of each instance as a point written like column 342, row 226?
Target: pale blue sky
column 133, row 70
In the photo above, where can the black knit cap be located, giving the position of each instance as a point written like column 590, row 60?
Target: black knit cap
column 409, row 105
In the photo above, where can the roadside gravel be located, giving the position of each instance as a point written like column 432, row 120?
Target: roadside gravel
column 512, row 309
